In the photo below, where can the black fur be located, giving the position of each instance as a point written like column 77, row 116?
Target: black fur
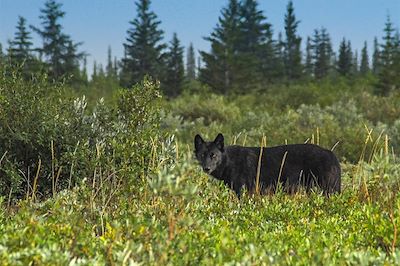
column 305, row 165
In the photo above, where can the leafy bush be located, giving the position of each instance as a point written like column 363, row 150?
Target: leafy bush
column 52, row 141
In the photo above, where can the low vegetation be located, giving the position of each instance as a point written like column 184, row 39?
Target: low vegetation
column 108, row 185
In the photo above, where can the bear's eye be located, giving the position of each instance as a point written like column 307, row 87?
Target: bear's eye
column 212, row 155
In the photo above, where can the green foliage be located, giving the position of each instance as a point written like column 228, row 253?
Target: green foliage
column 60, row 52
column 174, row 79
column 20, row 52
column 180, row 216
column 190, row 63
column 47, row 136
column 292, row 49
column 345, row 60
column 221, row 69
column 322, row 53
column 143, row 47
column 324, row 113
column 364, row 66
column 389, row 65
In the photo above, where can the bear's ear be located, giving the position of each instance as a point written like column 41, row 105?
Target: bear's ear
column 198, row 141
column 219, row 141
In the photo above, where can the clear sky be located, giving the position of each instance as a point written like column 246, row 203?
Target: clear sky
column 100, row 23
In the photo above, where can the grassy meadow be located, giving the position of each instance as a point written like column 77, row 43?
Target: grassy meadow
column 114, row 182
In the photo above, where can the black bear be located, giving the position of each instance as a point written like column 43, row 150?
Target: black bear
column 291, row 166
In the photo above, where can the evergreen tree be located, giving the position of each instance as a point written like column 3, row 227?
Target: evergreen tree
column 115, row 67
column 20, row 50
column 364, row 66
column 71, row 60
column 100, row 72
column 308, row 66
column 1, row 54
column 110, row 68
column 322, row 53
column 355, row 65
column 84, row 73
column 396, row 60
column 2, row 57
column 258, row 52
column 222, row 65
column 387, row 72
column 345, row 60
column 190, row 63
column 58, row 49
column 175, row 69
column 273, row 60
column 292, row 52
column 376, row 57
column 94, row 72
column 143, row 47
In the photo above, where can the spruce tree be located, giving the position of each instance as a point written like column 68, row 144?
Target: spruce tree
column 144, row 50
column 109, row 68
column 345, row 60
column 396, row 60
column 355, row 65
column 308, row 65
column 58, row 49
column 364, row 66
column 387, row 74
column 222, row 64
column 175, row 69
column 1, row 55
column 376, row 57
column 94, row 72
column 115, row 67
column 292, row 52
column 20, row 50
column 71, row 60
column 322, row 53
column 190, row 63
column 257, row 49
column 84, row 73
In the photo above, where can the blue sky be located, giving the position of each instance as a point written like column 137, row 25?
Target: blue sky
column 100, row 23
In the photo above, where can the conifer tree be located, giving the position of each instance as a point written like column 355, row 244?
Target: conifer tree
column 376, row 57
column 1, row 55
column 345, row 60
column 292, row 52
column 84, row 73
column 322, row 53
column 58, row 49
column 109, row 68
column 144, row 50
column 71, row 60
column 355, row 65
column 94, row 72
column 387, row 74
column 396, row 60
column 222, row 64
column 175, row 69
column 190, row 63
column 20, row 50
column 364, row 66
column 308, row 66
column 115, row 67
column 257, row 49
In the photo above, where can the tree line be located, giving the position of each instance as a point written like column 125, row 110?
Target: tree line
column 244, row 55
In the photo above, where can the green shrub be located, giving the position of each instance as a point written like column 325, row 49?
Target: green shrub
column 54, row 141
